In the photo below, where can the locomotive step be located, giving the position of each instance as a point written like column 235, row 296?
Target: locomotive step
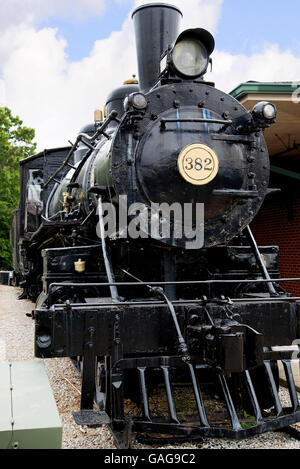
column 91, row 418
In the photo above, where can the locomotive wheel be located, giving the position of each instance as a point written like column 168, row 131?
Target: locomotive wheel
column 77, row 362
column 100, row 380
column 102, row 385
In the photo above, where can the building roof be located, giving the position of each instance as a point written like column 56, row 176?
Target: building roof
column 283, row 137
column 256, row 87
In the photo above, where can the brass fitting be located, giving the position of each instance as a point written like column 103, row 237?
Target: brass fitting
column 131, row 81
column 67, row 201
column 79, row 266
column 98, row 115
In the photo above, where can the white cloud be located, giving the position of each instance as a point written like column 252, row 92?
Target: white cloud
column 57, row 97
column 2, row 93
column 270, row 64
column 54, row 96
column 35, row 81
column 14, row 12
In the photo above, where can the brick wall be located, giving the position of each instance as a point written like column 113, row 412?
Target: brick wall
column 274, row 226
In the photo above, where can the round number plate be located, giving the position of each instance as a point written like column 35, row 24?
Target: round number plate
column 198, row 164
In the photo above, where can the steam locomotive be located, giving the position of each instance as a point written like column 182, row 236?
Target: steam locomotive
column 135, row 243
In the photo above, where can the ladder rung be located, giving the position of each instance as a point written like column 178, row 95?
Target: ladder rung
column 87, row 144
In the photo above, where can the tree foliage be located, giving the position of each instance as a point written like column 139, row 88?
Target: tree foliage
column 15, row 144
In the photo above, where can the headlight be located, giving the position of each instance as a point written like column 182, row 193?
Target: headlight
column 190, row 57
column 269, row 111
column 137, row 100
column 265, row 110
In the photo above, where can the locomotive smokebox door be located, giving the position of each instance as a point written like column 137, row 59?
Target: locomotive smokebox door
column 192, row 155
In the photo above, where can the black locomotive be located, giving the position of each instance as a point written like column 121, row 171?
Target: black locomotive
column 136, row 243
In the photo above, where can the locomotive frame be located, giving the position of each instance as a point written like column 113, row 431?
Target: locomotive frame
column 213, row 315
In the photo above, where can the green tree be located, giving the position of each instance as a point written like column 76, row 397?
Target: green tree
column 15, row 144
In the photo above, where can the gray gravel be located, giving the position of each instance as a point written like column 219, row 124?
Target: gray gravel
column 16, row 344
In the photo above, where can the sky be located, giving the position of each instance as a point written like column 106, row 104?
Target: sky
column 59, row 59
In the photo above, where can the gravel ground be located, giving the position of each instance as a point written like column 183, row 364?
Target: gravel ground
column 16, row 344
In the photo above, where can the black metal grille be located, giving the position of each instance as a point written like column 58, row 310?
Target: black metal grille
column 237, row 426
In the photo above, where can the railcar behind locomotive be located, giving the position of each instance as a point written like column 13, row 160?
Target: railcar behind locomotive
column 136, row 243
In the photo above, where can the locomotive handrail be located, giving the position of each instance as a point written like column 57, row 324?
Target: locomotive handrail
column 178, row 283
column 112, row 116
column 236, row 193
column 106, row 258
column 191, row 282
column 260, row 262
column 175, row 302
column 163, row 121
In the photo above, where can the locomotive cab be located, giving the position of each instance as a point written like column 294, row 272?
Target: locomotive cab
column 28, row 219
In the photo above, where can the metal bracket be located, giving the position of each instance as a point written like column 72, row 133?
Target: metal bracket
column 164, row 122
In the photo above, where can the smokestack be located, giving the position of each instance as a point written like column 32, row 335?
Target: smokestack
column 156, row 26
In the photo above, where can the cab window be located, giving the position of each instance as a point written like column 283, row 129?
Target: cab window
column 34, row 200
